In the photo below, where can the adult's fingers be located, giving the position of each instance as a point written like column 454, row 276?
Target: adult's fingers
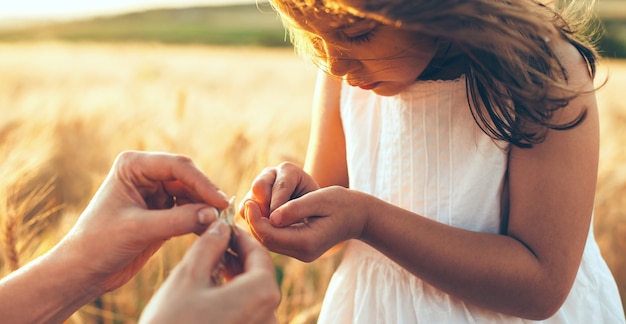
column 256, row 286
column 183, row 193
column 145, row 168
column 162, row 224
column 205, row 253
column 253, row 255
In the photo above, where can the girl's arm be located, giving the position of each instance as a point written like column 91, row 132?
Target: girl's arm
column 326, row 154
column 325, row 163
column 529, row 271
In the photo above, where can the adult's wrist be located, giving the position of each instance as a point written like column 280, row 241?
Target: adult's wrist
column 46, row 290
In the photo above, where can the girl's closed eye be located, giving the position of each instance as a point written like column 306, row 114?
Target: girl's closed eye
column 362, row 38
column 357, row 36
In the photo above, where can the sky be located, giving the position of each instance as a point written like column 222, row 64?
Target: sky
column 70, row 9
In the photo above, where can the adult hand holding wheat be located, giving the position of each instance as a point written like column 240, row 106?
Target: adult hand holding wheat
column 189, row 296
column 146, row 199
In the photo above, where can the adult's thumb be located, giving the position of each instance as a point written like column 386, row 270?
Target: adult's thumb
column 206, row 252
column 181, row 220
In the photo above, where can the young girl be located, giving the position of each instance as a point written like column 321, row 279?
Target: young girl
column 454, row 145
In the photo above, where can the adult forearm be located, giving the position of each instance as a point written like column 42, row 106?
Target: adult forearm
column 46, row 290
column 494, row 271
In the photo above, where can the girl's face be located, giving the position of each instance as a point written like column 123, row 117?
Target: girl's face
column 371, row 55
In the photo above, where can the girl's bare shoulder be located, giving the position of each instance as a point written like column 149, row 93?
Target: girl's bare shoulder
column 576, row 67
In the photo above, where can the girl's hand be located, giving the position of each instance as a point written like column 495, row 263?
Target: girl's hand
column 187, row 296
column 146, row 199
column 306, row 227
column 274, row 186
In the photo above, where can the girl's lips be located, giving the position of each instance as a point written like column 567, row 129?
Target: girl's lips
column 369, row 86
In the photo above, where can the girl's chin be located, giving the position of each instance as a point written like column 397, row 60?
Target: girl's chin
column 388, row 90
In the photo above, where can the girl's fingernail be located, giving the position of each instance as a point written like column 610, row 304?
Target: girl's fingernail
column 217, row 228
column 207, row 215
column 276, row 218
column 223, row 194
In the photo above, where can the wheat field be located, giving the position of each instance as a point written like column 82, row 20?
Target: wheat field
column 69, row 109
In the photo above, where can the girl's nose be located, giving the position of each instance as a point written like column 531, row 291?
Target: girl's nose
column 339, row 63
column 340, row 66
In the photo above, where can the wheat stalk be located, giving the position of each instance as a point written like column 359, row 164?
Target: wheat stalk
column 9, row 241
column 25, row 217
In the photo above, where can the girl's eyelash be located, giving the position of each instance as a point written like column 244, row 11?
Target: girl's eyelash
column 356, row 37
column 361, row 38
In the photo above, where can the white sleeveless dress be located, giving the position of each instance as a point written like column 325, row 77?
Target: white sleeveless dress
column 421, row 150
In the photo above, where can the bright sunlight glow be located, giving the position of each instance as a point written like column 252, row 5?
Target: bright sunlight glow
column 61, row 9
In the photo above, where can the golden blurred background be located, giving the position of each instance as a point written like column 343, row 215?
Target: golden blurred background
column 70, row 104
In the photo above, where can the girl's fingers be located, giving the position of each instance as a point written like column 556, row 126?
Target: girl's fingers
column 287, row 240
column 298, row 210
column 253, row 213
column 287, row 179
column 262, row 186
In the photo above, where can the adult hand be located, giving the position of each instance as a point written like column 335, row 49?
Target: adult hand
column 146, row 199
column 188, row 295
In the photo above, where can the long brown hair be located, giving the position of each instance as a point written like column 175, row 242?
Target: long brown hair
column 514, row 79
